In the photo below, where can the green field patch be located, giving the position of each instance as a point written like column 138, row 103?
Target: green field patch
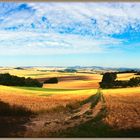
column 35, row 74
column 46, row 95
column 47, row 89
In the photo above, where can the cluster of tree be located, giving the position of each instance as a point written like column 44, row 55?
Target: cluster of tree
column 19, row 68
column 138, row 73
column 68, row 70
column 53, row 80
column 11, row 80
column 127, row 71
column 109, row 81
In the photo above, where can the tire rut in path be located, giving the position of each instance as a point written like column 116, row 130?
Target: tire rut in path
column 88, row 110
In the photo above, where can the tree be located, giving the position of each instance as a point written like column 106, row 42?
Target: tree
column 134, row 81
column 108, row 80
column 53, row 80
column 109, row 77
column 70, row 70
column 12, row 80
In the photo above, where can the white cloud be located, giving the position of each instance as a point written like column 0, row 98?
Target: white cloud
column 110, row 17
column 67, row 27
column 16, row 43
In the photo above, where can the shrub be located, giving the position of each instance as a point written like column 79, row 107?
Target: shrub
column 70, row 70
column 11, row 80
column 109, row 81
column 134, row 81
column 138, row 73
column 53, row 80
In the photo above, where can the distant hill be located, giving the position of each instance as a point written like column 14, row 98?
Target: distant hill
column 94, row 68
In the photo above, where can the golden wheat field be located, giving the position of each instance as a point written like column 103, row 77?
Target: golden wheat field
column 38, row 100
column 123, row 108
column 66, row 80
column 121, row 105
column 51, row 95
column 126, row 76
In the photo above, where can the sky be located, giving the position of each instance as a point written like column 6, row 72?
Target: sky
column 70, row 34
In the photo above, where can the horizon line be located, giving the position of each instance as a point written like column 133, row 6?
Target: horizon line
column 74, row 66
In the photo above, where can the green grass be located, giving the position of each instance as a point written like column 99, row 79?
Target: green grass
column 46, row 95
column 35, row 74
column 44, row 91
column 47, row 89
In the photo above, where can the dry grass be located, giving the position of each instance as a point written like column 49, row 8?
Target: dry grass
column 123, row 105
column 123, row 108
column 126, row 76
column 38, row 101
column 67, row 80
column 91, row 82
column 79, row 84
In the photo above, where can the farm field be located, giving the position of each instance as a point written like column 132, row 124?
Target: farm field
column 118, row 116
column 66, row 80
column 123, row 110
column 126, row 76
column 70, row 70
column 71, row 108
column 41, row 99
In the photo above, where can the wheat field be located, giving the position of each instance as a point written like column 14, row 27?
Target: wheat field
column 38, row 100
column 121, row 105
column 123, row 108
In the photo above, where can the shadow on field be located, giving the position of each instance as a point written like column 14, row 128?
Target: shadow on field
column 12, row 120
column 96, row 128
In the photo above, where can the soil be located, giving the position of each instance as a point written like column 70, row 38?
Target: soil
column 45, row 125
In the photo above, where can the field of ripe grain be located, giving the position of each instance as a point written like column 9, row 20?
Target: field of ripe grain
column 119, row 116
column 87, row 81
column 126, row 76
column 79, row 84
column 41, row 99
column 39, row 73
column 123, row 109
column 66, row 80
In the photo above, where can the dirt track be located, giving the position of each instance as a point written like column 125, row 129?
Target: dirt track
column 46, row 125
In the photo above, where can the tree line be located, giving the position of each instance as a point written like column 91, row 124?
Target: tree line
column 109, row 81
column 52, row 80
column 12, row 80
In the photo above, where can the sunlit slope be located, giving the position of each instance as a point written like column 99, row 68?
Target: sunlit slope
column 91, row 81
column 39, row 99
column 123, row 107
column 39, row 73
column 122, row 90
column 126, row 76
column 66, row 80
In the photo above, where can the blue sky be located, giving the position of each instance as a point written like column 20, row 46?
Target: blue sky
column 69, row 34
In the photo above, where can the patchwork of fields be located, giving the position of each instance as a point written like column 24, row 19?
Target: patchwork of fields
column 114, row 113
column 41, row 99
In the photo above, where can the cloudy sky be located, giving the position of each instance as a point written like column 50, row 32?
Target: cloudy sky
column 67, row 34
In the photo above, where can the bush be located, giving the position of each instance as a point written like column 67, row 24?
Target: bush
column 109, row 77
column 109, row 81
column 11, row 80
column 138, row 73
column 53, row 80
column 134, row 82
column 70, row 70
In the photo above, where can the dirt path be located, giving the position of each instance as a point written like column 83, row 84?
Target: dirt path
column 47, row 124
